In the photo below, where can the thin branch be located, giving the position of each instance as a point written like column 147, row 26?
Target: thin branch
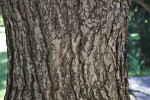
column 144, row 5
column 131, row 91
column 133, row 95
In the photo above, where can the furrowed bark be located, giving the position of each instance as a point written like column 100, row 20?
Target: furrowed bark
column 66, row 49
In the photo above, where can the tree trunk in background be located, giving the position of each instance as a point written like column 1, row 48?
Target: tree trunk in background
column 66, row 49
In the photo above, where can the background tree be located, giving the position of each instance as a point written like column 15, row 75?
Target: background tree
column 66, row 49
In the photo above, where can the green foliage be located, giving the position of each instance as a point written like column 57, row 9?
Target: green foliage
column 138, row 43
column 1, row 20
column 3, row 65
column 3, row 73
column 133, row 54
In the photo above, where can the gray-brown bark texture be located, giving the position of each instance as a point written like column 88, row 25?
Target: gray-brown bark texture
column 66, row 49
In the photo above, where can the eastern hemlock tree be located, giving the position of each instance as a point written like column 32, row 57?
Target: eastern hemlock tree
column 66, row 49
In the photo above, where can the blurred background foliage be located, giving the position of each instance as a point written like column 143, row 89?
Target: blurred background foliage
column 138, row 41
column 138, row 45
column 1, row 19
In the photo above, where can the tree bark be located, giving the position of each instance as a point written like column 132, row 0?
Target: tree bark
column 66, row 49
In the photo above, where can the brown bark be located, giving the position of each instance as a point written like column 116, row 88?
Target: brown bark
column 66, row 49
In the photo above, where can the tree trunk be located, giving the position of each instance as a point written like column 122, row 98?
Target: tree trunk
column 66, row 49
